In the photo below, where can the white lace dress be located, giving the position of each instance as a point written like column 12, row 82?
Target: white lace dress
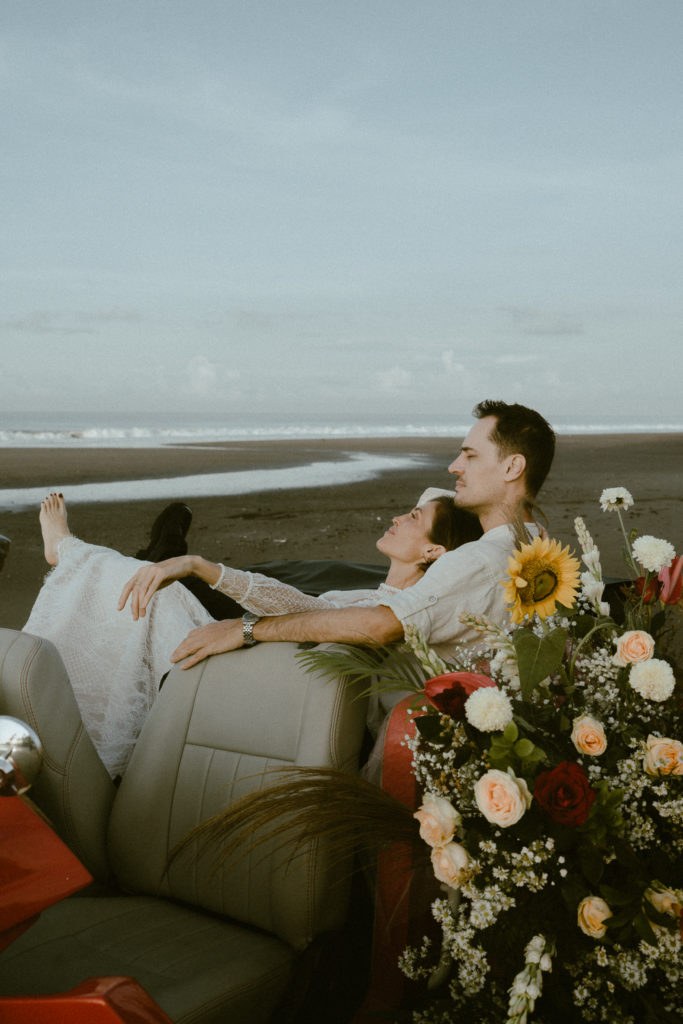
column 115, row 664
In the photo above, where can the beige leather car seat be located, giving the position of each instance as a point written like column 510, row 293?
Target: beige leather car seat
column 208, row 945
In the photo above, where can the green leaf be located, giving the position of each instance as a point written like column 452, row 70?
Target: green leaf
column 523, row 748
column 510, row 733
column 592, row 864
column 616, row 897
column 429, row 727
column 644, row 929
column 538, row 656
column 622, row 917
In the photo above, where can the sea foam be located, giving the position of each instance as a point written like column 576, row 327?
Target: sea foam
column 351, row 469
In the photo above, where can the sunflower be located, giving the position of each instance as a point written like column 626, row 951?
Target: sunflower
column 541, row 574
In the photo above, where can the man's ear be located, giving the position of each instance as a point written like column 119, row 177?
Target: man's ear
column 516, row 465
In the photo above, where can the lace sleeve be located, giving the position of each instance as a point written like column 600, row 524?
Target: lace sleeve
column 264, row 595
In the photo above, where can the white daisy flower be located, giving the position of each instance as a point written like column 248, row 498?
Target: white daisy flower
column 613, row 498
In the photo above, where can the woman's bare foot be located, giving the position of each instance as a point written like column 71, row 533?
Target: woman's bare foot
column 53, row 525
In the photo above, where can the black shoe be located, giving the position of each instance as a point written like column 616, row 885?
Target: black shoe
column 5, row 543
column 167, row 539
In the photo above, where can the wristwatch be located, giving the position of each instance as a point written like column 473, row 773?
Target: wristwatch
column 248, row 620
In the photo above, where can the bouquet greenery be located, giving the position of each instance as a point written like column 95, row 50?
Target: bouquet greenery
column 553, row 798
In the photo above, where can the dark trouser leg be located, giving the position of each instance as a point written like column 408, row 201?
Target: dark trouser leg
column 220, row 606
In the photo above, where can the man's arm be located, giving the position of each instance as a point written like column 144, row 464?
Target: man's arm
column 376, row 625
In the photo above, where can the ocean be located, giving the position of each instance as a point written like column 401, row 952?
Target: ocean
column 148, row 430
column 66, row 430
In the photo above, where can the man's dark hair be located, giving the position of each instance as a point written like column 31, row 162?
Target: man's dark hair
column 522, row 431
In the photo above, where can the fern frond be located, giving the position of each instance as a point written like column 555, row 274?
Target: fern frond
column 350, row 815
column 380, row 668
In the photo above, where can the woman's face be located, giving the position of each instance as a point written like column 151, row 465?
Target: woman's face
column 407, row 539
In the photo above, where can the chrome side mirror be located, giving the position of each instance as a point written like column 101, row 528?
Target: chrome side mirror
column 21, row 755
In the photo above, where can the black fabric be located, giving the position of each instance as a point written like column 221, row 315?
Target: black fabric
column 317, row 576
column 313, row 577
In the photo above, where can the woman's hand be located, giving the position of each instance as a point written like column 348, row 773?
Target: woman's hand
column 150, row 578
column 216, row 638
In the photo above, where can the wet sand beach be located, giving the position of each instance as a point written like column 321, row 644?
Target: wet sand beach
column 341, row 522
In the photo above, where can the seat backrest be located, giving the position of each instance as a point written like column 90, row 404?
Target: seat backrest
column 212, row 733
column 73, row 788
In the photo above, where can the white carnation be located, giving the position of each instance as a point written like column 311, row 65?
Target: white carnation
column 613, row 498
column 653, row 679
column 488, row 709
column 653, row 553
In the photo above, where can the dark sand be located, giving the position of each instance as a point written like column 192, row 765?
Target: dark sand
column 331, row 522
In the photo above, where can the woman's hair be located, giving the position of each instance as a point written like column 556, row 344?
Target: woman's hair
column 451, row 526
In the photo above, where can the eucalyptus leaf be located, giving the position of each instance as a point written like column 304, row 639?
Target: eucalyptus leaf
column 523, row 748
column 510, row 732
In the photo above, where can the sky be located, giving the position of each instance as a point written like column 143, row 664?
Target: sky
column 330, row 209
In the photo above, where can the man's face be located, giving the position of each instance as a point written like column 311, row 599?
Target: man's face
column 479, row 468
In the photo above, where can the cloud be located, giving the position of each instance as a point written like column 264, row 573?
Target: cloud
column 516, row 358
column 529, row 321
column 68, row 322
column 204, row 379
column 450, row 364
column 395, row 380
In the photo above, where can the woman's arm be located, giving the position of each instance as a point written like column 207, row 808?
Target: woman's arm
column 260, row 594
column 141, row 587
column 264, row 595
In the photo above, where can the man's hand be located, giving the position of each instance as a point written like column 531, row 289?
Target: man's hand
column 150, row 578
column 216, row 638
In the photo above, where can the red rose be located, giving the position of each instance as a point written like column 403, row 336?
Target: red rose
column 449, row 692
column 565, row 793
column 648, row 593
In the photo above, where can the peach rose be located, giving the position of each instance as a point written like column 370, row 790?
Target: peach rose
column 591, row 916
column 438, row 820
column 663, row 756
column 666, row 901
column 451, row 864
column 501, row 797
column 588, row 736
column 632, row 646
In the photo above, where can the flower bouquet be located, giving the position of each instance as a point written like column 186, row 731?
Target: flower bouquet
column 549, row 765
column 553, row 799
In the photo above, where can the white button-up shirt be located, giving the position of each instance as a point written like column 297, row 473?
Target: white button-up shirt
column 465, row 580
